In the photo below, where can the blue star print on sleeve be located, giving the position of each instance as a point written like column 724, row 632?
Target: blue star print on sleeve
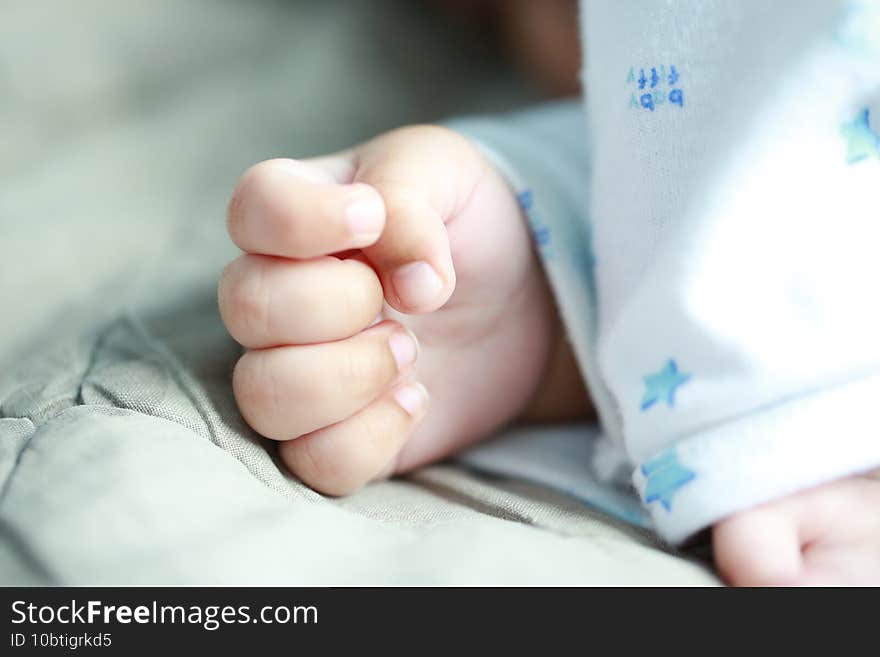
column 862, row 141
column 525, row 199
column 665, row 476
column 540, row 231
column 662, row 385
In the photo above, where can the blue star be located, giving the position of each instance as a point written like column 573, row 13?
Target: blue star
column 525, row 199
column 862, row 142
column 541, row 235
column 662, row 385
column 666, row 475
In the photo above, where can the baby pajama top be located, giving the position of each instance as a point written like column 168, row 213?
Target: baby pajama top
column 709, row 219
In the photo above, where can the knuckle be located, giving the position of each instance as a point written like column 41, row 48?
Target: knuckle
column 246, row 303
column 310, row 465
column 234, row 214
column 244, row 187
column 255, row 388
column 245, row 388
column 263, row 195
column 224, row 286
column 431, row 138
column 261, row 302
column 428, row 133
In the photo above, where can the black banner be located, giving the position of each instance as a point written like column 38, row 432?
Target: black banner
column 173, row 620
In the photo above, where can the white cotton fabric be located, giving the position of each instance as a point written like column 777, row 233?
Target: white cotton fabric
column 721, row 298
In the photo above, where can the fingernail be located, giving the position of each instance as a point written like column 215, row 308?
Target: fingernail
column 417, row 284
column 411, row 397
column 365, row 216
column 404, row 347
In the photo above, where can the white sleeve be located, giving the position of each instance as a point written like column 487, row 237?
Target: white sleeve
column 735, row 205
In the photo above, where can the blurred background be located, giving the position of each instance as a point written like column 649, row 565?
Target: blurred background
column 126, row 123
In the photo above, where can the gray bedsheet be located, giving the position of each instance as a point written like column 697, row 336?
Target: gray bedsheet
column 122, row 457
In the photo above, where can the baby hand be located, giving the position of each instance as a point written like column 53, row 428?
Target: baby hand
column 829, row 535
column 414, row 229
